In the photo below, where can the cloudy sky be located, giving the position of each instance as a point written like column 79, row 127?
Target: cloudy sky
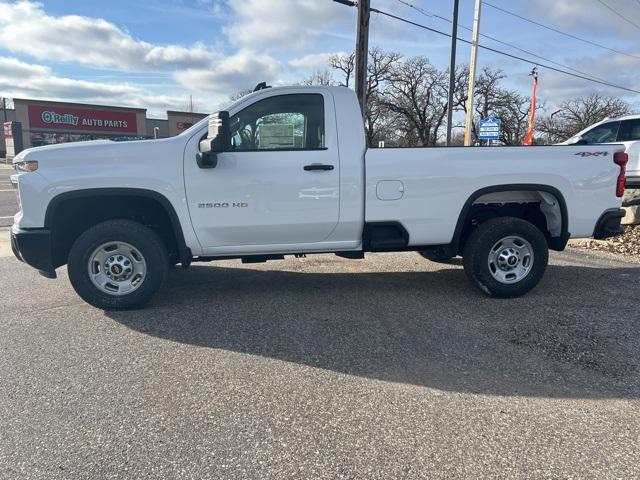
column 155, row 54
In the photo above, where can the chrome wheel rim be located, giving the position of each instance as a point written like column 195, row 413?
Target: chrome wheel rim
column 117, row 268
column 510, row 259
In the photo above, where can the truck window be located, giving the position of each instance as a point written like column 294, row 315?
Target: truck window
column 605, row 133
column 629, row 131
column 283, row 122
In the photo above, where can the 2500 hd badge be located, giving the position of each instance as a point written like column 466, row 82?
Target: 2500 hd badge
column 224, row 205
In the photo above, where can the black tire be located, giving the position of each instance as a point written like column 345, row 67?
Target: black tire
column 437, row 255
column 145, row 240
column 477, row 252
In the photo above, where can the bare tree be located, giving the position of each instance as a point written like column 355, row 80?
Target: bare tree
column 578, row 113
column 492, row 100
column 407, row 101
column 416, row 94
column 379, row 69
column 319, row 77
column 514, row 113
column 345, row 63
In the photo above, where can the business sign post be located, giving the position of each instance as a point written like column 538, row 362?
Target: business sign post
column 12, row 132
column 490, row 129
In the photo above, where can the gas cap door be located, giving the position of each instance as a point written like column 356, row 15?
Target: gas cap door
column 390, row 190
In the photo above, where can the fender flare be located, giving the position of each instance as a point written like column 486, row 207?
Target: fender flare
column 556, row 243
column 183, row 251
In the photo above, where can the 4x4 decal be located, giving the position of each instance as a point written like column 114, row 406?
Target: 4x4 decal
column 593, row 154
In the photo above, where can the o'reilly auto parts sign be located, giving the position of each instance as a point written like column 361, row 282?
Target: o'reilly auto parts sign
column 49, row 117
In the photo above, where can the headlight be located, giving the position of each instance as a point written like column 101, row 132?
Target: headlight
column 26, row 166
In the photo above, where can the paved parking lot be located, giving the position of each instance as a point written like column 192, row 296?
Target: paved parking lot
column 391, row 367
column 8, row 203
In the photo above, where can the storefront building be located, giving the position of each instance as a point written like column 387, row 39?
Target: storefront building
column 180, row 121
column 43, row 122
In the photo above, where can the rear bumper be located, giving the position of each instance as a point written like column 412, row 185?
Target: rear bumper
column 632, row 182
column 609, row 224
column 33, row 246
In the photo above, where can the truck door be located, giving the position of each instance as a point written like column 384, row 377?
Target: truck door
column 279, row 183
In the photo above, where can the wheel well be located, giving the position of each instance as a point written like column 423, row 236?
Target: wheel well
column 70, row 216
column 544, row 209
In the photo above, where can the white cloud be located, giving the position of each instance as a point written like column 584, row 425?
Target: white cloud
column 243, row 70
column 293, row 24
column 615, row 69
column 28, row 79
column 23, row 80
column 26, row 28
column 313, row 61
column 572, row 15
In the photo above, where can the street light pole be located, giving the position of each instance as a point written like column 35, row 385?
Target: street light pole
column 452, row 70
column 472, row 73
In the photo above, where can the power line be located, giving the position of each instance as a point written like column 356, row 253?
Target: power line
column 609, row 7
column 484, row 47
column 575, row 37
column 434, row 15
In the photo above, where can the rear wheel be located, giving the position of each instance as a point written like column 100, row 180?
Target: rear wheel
column 118, row 264
column 506, row 257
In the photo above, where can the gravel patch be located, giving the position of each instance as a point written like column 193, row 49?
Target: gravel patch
column 627, row 244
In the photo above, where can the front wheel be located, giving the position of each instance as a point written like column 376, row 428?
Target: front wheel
column 506, row 257
column 118, row 264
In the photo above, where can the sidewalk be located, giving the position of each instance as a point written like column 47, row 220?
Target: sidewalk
column 5, row 242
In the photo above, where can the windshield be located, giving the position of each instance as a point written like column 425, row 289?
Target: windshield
column 605, row 133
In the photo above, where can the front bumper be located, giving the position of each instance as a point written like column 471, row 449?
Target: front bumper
column 609, row 224
column 33, row 246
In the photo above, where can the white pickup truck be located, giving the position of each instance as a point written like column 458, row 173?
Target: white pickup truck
column 622, row 130
column 286, row 171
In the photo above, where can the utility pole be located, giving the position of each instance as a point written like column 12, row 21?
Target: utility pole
column 472, row 73
column 362, row 53
column 452, row 70
column 4, row 109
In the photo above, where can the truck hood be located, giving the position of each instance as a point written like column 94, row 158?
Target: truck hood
column 100, row 152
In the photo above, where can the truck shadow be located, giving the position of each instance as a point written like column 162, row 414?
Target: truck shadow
column 576, row 335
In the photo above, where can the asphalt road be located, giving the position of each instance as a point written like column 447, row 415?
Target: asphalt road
column 320, row 368
column 8, row 201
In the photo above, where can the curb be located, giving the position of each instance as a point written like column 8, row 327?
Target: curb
column 5, row 242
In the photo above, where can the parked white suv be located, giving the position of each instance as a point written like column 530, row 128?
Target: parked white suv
column 623, row 130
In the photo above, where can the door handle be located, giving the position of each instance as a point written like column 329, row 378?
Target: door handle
column 317, row 166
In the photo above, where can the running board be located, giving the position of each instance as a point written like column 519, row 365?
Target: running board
column 261, row 258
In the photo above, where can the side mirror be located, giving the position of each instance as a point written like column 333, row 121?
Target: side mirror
column 218, row 140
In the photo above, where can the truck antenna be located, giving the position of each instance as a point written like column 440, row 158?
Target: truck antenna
column 261, row 86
